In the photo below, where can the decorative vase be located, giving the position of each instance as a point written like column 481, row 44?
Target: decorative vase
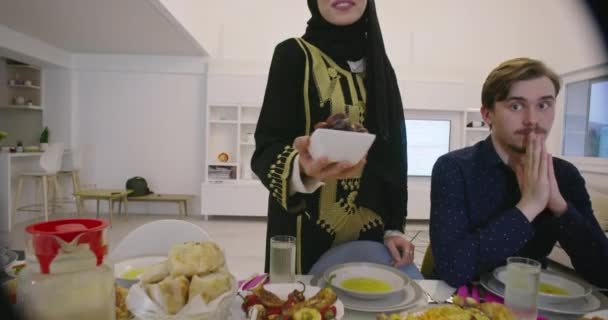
column 44, row 146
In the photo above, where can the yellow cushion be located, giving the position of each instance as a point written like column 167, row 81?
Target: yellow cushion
column 428, row 265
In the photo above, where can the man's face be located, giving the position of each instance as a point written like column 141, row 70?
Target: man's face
column 529, row 107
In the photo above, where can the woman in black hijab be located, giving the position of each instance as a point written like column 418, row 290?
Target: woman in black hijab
column 339, row 66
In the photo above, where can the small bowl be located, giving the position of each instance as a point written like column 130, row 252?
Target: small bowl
column 137, row 264
column 393, row 277
column 339, row 145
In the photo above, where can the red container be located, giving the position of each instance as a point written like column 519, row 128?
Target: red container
column 48, row 238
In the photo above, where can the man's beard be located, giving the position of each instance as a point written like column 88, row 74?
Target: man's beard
column 516, row 148
column 525, row 132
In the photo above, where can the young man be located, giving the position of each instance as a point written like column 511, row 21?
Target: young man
column 506, row 196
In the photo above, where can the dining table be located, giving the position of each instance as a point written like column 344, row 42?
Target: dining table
column 438, row 290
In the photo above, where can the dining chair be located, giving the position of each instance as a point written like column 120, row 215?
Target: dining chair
column 427, row 268
column 71, row 169
column 156, row 238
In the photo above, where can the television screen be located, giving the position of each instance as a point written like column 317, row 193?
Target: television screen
column 427, row 140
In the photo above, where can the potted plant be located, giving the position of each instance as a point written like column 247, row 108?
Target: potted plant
column 3, row 135
column 19, row 146
column 44, row 139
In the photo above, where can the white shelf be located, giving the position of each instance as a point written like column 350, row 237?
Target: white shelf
column 223, row 121
column 221, row 181
column 24, row 107
column 482, row 129
column 22, row 66
column 253, row 182
column 229, row 130
column 24, row 86
column 224, row 164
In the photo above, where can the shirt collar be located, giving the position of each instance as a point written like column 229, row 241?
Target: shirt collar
column 488, row 153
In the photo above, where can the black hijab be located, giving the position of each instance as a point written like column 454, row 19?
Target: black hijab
column 387, row 158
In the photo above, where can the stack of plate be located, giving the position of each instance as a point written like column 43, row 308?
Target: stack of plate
column 576, row 299
column 405, row 294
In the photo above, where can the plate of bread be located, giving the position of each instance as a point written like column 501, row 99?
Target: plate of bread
column 193, row 282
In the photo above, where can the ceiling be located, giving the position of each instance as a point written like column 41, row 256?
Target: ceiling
column 101, row 27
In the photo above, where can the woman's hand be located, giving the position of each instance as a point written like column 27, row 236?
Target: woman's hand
column 321, row 168
column 401, row 250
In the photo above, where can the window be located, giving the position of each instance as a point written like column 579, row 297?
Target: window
column 427, row 140
column 586, row 118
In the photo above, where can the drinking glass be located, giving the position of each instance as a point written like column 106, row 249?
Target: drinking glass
column 521, row 292
column 282, row 259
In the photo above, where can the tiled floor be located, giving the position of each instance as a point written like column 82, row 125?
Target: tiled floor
column 241, row 238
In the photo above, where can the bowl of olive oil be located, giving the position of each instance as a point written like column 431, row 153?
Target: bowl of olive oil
column 128, row 271
column 366, row 281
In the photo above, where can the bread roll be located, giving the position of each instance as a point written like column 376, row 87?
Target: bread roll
column 155, row 273
column 170, row 294
column 195, row 258
column 210, row 286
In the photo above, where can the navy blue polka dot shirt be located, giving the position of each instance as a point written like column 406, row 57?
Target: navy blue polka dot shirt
column 475, row 225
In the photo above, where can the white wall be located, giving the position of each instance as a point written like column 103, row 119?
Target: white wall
column 426, row 39
column 57, row 92
column 141, row 116
column 441, row 50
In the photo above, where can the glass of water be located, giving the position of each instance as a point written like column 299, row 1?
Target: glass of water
column 521, row 292
column 282, row 259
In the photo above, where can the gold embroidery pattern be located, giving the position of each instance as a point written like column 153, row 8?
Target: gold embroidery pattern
column 279, row 175
column 339, row 215
column 343, row 219
column 306, row 97
column 334, row 79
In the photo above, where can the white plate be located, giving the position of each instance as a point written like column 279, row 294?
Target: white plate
column 282, row 290
column 600, row 313
column 417, row 312
column 339, row 145
column 395, row 278
column 133, row 263
column 10, row 268
column 412, row 296
column 575, row 306
column 576, row 289
column 7, row 256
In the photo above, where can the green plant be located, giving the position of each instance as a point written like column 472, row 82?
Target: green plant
column 44, row 136
column 3, row 135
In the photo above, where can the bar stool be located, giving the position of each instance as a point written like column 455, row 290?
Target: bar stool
column 71, row 169
column 50, row 163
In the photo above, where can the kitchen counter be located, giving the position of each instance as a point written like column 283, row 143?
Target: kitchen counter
column 11, row 165
column 21, row 154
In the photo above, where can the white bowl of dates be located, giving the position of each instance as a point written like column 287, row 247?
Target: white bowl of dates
column 339, row 140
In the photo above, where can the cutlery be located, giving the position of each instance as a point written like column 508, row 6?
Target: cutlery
column 431, row 300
